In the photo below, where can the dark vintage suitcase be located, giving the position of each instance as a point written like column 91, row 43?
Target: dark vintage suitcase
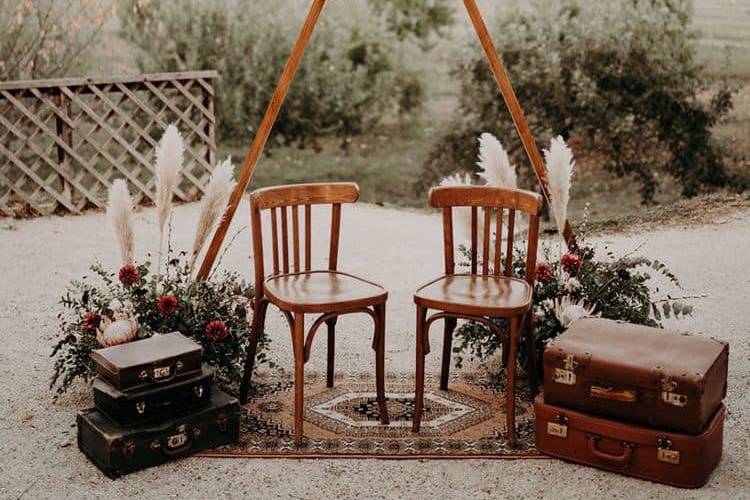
column 147, row 405
column 119, row 450
column 148, row 362
column 683, row 460
column 651, row 376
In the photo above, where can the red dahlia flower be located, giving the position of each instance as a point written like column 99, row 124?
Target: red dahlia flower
column 216, row 330
column 128, row 274
column 91, row 322
column 544, row 273
column 571, row 263
column 167, row 305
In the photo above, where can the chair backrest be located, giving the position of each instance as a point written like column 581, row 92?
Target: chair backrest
column 280, row 201
column 490, row 199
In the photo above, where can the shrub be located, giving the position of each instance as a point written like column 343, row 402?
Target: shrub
column 348, row 79
column 620, row 77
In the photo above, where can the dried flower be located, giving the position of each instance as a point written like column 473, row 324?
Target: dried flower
column 544, row 273
column 571, row 285
column 571, row 263
column 560, row 163
column 120, row 215
column 213, row 205
column 169, row 157
column 216, row 330
column 494, row 164
column 128, row 275
column 90, row 322
column 568, row 311
column 167, row 305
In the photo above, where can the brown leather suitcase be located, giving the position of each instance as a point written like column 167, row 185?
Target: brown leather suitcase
column 682, row 460
column 119, row 450
column 149, row 362
column 650, row 376
column 152, row 404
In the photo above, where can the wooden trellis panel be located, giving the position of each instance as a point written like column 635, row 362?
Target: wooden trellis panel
column 63, row 142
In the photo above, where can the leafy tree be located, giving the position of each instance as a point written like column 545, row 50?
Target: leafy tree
column 619, row 77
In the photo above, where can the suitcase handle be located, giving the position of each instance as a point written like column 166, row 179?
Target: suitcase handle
column 622, row 460
column 612, row 394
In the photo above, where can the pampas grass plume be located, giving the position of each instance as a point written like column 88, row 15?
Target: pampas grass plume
column 169, row 154
column 213, row 204
column 120, row 215
column 560, row 164
column 495, row 167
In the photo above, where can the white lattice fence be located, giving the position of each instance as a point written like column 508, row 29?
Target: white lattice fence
column 63, row 142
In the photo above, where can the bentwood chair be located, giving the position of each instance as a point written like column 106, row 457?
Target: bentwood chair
column 298, row 290
column 485, row 293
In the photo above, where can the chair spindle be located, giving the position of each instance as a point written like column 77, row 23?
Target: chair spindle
column 509, row 248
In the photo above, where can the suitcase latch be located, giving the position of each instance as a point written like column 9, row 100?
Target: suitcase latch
column 665, row 453
column 161, row 372
column 128, row 449
column 670, row 397
column 566, row 375
column 559, row 428
column 140, row 407
column 179, row 439
column 222, row 421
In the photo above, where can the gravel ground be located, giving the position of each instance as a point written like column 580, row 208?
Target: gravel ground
column 399, row 249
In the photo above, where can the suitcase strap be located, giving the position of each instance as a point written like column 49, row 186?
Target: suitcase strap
column 622, row 460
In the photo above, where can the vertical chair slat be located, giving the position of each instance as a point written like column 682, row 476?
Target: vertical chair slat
column 498, row 241
column 473, row 240
column 333, row 254
column 284, row 240
column 295, row 236
column 255, row 221
column 486, row 240
column 448, row 240
column 509, row 248
column 308, row 236
column 275, row 241
column 531, row 250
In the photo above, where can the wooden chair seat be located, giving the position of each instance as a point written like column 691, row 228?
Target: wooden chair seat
column 476, row 294
column 322, row 291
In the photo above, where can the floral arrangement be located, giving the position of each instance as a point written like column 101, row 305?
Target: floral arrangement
column 141, row 299
column 569, row 284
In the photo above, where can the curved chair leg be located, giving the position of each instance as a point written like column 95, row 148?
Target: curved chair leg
column 450, row 325
column 298, row 343
column 510, row 391
column 504, row 349
column 530, row 354
column 379, row 345
column 419, row 383
column 259, row 321
column 331, row 324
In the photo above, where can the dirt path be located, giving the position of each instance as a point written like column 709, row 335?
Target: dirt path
column 399, row 249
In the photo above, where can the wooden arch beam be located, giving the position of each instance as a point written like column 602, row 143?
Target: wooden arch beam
column 282, row 88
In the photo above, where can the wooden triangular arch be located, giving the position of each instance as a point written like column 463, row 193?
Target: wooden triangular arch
column 285, row 81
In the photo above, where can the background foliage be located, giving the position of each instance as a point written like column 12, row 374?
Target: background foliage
column 349, row 79
column 44, row 38
column 622, row 81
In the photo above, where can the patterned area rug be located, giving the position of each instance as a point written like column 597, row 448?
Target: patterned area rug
column 466, row 421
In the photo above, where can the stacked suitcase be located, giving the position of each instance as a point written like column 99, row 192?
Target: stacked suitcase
column 154, row 402
column 640, row 401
